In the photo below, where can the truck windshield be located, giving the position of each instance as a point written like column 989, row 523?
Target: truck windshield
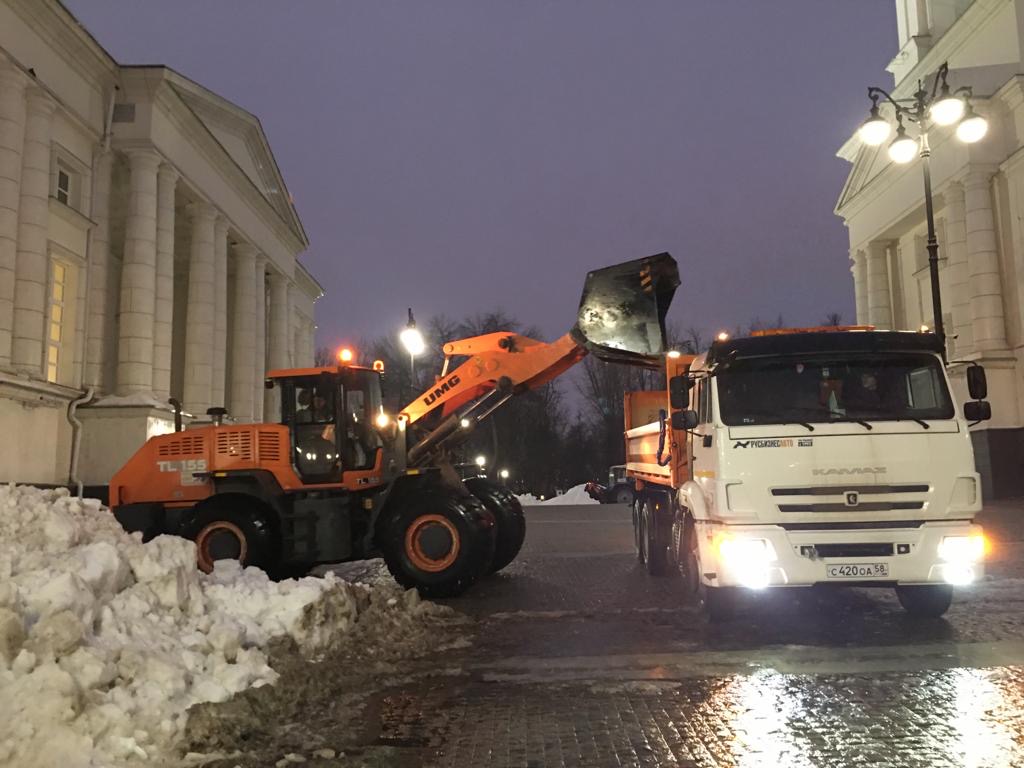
column 821, row 389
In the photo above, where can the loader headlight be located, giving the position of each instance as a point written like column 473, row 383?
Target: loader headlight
column 962, row 550
column 747, row 559
column 382, row 420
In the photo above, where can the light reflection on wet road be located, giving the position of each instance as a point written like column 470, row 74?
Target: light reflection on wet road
column 583, row 660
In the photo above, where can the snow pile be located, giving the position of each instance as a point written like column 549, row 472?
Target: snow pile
column 106, row 641
column 575, row 495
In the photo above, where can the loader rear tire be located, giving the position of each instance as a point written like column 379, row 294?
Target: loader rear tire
column 508, row 516
column 438, row 542
column 224, row 529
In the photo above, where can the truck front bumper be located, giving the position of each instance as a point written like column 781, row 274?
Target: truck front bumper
column 758, row 556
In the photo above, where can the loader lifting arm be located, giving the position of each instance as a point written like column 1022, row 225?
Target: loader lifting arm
column 621, row 318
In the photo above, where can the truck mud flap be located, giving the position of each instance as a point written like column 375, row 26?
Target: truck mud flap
column 622, row 311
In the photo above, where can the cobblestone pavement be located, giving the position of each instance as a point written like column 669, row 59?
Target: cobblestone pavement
column 583, row 660
column 575, row 657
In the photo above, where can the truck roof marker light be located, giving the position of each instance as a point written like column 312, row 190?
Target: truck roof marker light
column 345, row 355
column 674, row 354
column 378, row 366
column 722, row 336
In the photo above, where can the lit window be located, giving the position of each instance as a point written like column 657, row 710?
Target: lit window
column 58, row 285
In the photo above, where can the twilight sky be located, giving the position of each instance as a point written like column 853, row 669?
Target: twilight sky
column 459, row 155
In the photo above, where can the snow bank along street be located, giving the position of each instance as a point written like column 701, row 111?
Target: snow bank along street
column 105, row 642
column 574, row 496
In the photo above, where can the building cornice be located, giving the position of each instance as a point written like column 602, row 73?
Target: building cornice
column 307, row 283
column 66, row 35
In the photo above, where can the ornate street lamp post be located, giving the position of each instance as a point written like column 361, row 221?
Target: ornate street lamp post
column 414, row 344
column 941, row 106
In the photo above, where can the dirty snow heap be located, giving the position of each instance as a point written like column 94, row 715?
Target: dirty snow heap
column 105, row 641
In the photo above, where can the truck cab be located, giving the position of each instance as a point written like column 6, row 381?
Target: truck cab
column 828, row 458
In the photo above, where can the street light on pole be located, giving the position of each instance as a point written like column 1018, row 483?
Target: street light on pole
column 941, row 106
column 412, row 340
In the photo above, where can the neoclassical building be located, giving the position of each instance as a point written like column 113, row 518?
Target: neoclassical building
column 979, row 202
column 148, row 251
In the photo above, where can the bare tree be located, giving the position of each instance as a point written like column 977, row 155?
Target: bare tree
column 833, row 319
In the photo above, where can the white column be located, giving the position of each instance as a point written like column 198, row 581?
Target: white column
column 277, row 329
column 260, row 334
column 163, row 331
column 243, row 333
column 984, row 281
column 858, row 266
column 879, row 301
column 959, row 279
column 293, row 352
column 138, row 277
column 199, row 312
column 12, row 138
column 220, row 303
column 31, row 269
column 100, row 319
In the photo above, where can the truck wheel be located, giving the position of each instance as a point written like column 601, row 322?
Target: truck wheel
column 926, row 600
column 638, row 527
column 624, row 496
column 223, row 531
column 439, row 543
column 717, row 603
column 509, row 519
column 655, row 550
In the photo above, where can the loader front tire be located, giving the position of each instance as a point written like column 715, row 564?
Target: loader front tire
column 508, row 516
column 438, row 542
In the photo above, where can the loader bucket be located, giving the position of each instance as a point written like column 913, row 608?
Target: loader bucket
column 622, row 310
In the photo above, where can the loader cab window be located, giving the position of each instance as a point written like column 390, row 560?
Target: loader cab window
column 310, row 406
column 363, row 403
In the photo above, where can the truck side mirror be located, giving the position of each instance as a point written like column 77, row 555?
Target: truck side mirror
column 684, row 420
column 679, row 391
column 976, row 410
column 977, row 383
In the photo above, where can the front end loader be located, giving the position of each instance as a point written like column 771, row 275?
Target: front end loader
column 336, row 478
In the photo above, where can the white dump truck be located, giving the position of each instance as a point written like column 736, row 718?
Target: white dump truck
column 805, row 457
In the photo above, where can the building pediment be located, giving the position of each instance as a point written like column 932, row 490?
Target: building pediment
column 240, row 134
column 867, row 163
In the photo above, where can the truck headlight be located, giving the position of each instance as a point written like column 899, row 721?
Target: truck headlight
column 747, row 559
column 962, row 550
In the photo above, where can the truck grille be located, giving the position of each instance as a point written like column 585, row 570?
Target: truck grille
column 867, row 506
column 867, row 549
column 852, row 498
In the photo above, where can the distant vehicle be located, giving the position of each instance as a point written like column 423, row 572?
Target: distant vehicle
column 833, row 457
column 618, row 491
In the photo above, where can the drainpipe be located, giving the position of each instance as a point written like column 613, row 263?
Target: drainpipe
column 76, row 439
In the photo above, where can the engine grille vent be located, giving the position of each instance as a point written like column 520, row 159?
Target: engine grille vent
column 186, row 445
column 235, row 443
column 269, row 446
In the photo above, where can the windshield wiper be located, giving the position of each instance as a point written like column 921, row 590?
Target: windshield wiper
column 863, row 423
column 903, row 417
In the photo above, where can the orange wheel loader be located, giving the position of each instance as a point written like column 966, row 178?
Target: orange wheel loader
column 336, row 478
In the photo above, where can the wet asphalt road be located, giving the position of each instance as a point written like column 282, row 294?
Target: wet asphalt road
column 581, row 659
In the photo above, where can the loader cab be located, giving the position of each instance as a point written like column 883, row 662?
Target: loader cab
column 331, row 414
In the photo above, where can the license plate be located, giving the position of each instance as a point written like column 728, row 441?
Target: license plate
column 857, row 571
